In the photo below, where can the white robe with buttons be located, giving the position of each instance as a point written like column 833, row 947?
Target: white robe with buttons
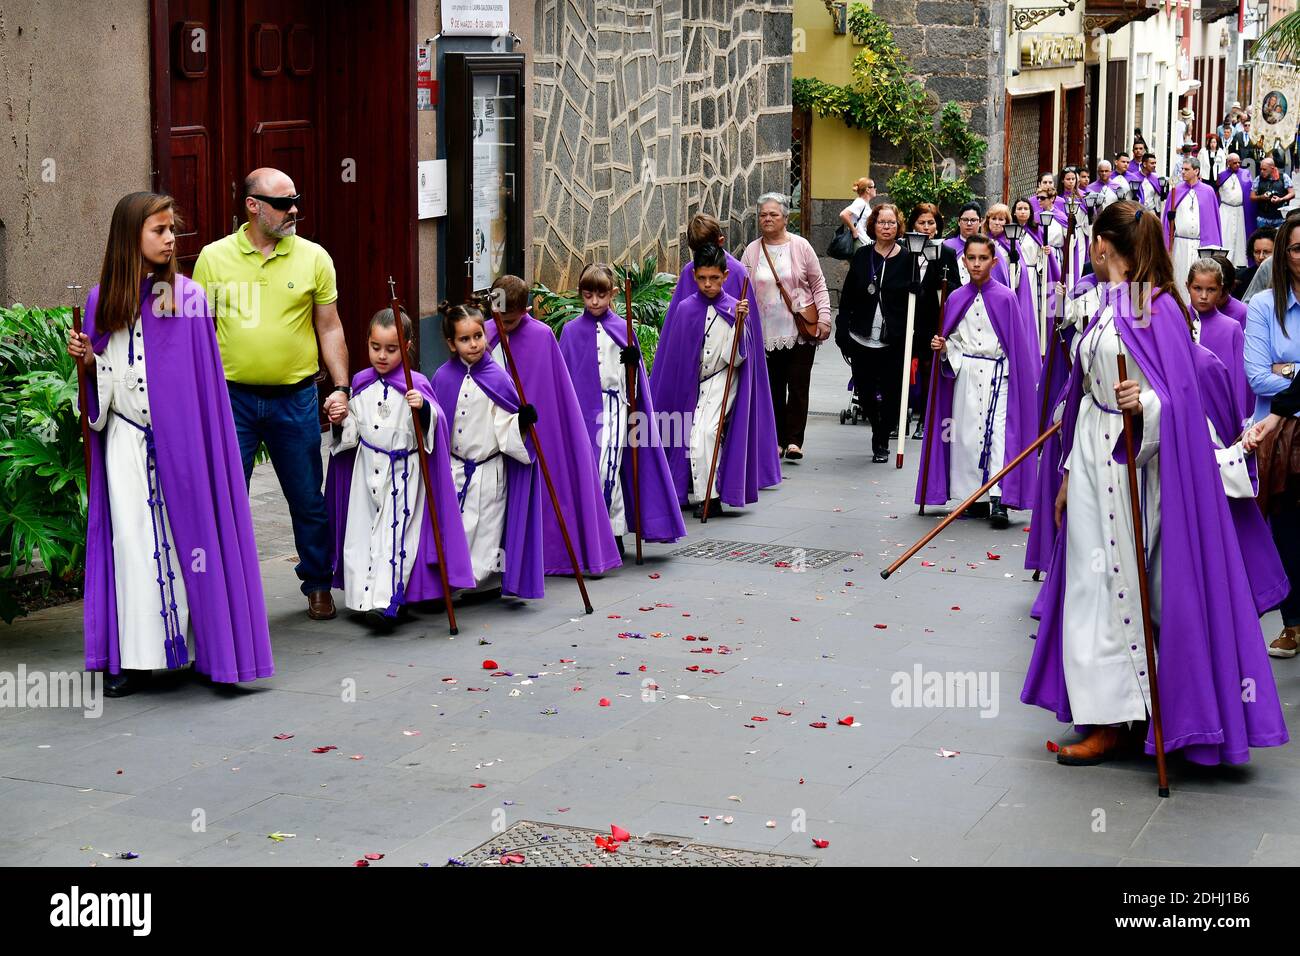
column 371, row 545
column 1103, row 644
column 972, row 400
column 612, row 434
column 1187, row 238
column 480, row 429
column 121, row 384
column 715, row 355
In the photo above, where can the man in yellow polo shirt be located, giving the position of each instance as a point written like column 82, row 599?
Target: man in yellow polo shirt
column 274, row 296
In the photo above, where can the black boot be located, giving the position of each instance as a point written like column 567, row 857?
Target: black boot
column 998, row 517
column 125, row 683
column 380, row 622
column 715, row 508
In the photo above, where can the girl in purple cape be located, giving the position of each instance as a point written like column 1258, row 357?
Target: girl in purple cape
column 544, row 378
column 384, row 552
column 1088, row 667
column 495, row 475
column 171, row 565
column 598, row 354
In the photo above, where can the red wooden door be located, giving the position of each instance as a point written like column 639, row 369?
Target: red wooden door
column 241, row 84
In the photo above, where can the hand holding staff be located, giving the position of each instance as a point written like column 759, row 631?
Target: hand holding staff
column 632, row 340
column 1135, row 503
column 975, row 496
column 429, row 497
column 81, row 388
column 726, row 394
column 504, row 337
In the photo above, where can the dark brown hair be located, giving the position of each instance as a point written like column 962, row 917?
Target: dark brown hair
column 875, row 215
column 920, row 210
column 981, row 239
column 384, row 319
column 1139, row 240
column 703, row 229
column 451, row 314
column 124, row 269
column 598, row 278
column 1283, row 278
column 515, row 291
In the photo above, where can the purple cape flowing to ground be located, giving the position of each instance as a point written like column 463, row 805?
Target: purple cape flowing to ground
column 569, row 459
column 749, row 458
column 424, row 583
column 1017, row 336
column 1209, row 636
column 202, row 482
column 661, row 516
column 521, row 539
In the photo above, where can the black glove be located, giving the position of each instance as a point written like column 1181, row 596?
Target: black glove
column 527, row 418
column 630, row 356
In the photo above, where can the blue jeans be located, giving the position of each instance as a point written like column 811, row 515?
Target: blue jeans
column 290, row 428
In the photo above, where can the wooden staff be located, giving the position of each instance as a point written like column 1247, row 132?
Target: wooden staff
column 429, row 498
column 976, row 496
column 632, row 340
column 934, row 393
column 81, row 387
column 541, row 460
column 726, row 393
column 1144, row 591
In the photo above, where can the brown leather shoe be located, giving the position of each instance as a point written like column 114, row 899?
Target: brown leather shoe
column 1104, row 743
column 320, row 605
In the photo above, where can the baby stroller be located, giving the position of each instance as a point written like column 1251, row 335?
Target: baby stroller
column 856, row 414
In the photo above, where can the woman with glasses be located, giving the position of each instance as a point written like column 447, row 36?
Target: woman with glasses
column 872, row 323
column 925, row 220
column 1272, row 357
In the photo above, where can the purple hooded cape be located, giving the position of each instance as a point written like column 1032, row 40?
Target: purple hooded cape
column 661, row 517
column 1224, row 336
column 1210, row 638
column 1207, row 207
column 749, row 458
column 687, row 287
column 1018, row 338
column 1042, row 526
column 521, row 539
column 202, row 480
column 1057, row 211
column 1247, row 204
column 563, row 435
column 1235, row 309
column 424, row 583
column 1024, row 295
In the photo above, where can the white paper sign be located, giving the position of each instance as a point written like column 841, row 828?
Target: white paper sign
column 431, row 192
column 475, row 17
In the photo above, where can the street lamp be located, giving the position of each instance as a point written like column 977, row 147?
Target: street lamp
column 917, row 244
column 1205, row 252
column 1013, row 232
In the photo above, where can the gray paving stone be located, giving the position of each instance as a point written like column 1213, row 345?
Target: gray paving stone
column 29, row 808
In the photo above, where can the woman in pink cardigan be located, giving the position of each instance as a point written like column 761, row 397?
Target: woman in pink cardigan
column 798, row 274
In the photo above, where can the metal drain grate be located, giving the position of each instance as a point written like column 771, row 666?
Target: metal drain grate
column 749, row 553
column 545, row 844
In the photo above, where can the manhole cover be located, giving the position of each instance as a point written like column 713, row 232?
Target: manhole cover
column 545, row 844
column 749, row 553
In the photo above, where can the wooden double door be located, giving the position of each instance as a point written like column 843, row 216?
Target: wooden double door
column 321, row 89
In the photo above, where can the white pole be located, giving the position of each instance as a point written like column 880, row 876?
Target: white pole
column 907, row 368
column 1043, row 253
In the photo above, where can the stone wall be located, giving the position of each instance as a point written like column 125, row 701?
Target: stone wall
column 955, row 48
column 646, row 112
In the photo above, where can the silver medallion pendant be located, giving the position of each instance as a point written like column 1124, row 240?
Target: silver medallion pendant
column 871, row 289
column 1087, row 383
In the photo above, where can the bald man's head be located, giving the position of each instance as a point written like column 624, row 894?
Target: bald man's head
column 267, row 182
column 265, row 189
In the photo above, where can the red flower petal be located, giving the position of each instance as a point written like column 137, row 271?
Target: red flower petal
column 283, row 736
column 618, row 833
column 992, row 557
column 641, row 668
column 693, row 667
column 477, row 786
column 604, row 702
column 955, row 607
column 821, row 844
column 880, row 627
column 846, row 721
column 794, row 619
column 759, row 719
column 654, row 576
column 374, row 856
column 490, row 665
column 361, row 863
column 785, row 713
column 819, row 724
column 1053, row 747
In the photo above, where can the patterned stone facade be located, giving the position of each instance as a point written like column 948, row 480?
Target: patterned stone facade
column 955, row 48
column 645, row 112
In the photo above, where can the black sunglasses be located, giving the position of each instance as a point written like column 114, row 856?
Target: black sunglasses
column 282, row 203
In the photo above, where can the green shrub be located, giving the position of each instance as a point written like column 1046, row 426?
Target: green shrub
column 651, row 292
column 42, row 470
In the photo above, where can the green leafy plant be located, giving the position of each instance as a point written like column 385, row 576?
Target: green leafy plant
column 651, row 292
column 42, row 471
column 886, row 101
